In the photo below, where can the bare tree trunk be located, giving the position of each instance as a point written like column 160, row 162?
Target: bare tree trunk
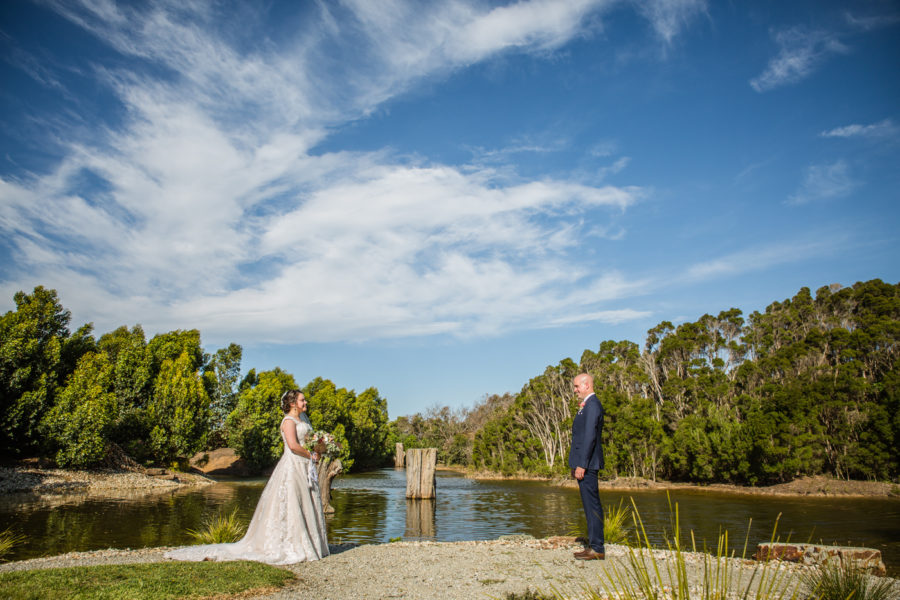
column 420, row 464
column 327, row 470
column 399, row 456
column 546, row 409
column 648, row 363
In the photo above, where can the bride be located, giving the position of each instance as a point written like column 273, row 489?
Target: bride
column 288, row 525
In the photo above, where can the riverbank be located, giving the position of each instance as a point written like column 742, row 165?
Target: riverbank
column 40, row 482
column 818, row 485
column 448, row 570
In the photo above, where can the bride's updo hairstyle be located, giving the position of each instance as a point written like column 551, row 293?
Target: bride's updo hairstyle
column 288, row 398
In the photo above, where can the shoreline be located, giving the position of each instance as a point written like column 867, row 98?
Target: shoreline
column 808, row 486
column 448, row 570
column 34, row 482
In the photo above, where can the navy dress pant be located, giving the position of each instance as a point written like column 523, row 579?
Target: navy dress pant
column 593, row 510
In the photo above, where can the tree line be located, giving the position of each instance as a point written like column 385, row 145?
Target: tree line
column 810, row 386
column 82, row 400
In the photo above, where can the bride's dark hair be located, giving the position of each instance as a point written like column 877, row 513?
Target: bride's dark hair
column 288, row 398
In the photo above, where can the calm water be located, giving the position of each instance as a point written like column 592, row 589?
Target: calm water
column 371, row 507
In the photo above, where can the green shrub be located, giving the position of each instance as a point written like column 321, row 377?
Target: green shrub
column 253, row 426
column 80, row 423
column 179, row 410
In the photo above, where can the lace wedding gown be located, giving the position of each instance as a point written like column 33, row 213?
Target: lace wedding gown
column 288, row 525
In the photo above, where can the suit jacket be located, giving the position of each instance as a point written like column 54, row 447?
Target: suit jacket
column 587, row 432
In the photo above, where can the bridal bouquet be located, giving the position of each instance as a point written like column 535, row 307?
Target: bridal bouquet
column 323, row 443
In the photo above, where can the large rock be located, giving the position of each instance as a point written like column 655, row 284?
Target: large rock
column 865, row 559
column 223, row 461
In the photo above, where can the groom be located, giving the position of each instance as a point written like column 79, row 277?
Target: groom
column 585, row 460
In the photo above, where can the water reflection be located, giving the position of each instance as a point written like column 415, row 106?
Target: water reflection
column 420, row 522
column 372, row 507
column 358, row 517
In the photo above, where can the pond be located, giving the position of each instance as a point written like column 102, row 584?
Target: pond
column 372, row 508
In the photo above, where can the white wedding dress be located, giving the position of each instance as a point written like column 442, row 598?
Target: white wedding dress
column 288, row 525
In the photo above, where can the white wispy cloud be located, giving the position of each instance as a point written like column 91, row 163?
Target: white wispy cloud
column 612, row 317
column 882, row 129
column 871, row 22
column 759, row 259
column 801, row 51
column 670, row 17
column 209, row 209
column 823, row 182
column 617, row 167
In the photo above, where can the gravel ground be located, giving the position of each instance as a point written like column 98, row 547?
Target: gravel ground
column 439, row 570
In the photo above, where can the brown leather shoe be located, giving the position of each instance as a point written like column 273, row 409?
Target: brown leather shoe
column 590, row 554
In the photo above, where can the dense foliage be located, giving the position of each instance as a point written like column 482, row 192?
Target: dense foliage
column 77, row 399
column 810, row 386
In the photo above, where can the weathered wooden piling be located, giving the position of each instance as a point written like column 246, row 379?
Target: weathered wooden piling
column 399, row 456
column 420, row 464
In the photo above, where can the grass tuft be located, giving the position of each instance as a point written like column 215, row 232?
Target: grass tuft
column 839, row 582
column 220, row 528
column 8, row 540
column 614, row 529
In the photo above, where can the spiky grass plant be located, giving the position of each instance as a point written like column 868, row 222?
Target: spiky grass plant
column 8, row 540
column 647, row 575
column 843, row 581
column 220, row 528
column 615, row 530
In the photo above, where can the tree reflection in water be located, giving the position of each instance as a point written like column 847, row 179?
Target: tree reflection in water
column 359, row 516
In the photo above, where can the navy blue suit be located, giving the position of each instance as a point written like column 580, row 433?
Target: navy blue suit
column 587, row 452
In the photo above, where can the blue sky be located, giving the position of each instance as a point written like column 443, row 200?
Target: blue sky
column 441, row 199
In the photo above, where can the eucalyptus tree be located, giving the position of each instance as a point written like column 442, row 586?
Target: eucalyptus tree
column 544, row 408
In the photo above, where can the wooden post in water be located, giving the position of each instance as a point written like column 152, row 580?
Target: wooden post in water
column 420, row 464
column 399, row 456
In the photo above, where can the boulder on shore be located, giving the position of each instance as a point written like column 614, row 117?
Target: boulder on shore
column 865, row 559
column 223, row 461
